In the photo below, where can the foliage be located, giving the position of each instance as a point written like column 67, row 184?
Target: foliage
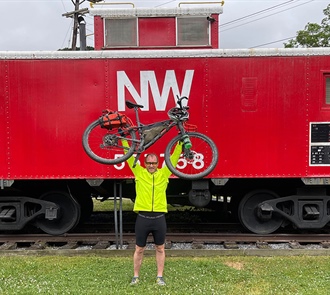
column 189, row 275
column 77, row 48
column 128, row 204
column 314, row 35
column 108, row 205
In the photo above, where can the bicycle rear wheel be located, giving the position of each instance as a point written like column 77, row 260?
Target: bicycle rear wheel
column 197, row 162
column 105, row 146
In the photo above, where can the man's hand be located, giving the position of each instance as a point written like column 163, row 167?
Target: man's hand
column 121, row 132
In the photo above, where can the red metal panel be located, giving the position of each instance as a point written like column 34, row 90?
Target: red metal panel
column 157, row 31
column 318, row 111
column 98, row 33
column 268, row 140
column 51, row 103
column 3, row 119
column 215, row 32
column 257, row 110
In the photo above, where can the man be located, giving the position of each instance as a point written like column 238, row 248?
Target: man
column 151, row 206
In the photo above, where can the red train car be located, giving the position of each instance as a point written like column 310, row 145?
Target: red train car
column 267, row 110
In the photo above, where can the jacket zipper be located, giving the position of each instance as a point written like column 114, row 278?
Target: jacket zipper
column 153, row 193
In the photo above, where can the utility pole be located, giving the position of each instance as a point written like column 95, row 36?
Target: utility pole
column 75, row 15
column 75, row 25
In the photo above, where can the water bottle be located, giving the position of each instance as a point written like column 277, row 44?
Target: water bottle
column 186, row 141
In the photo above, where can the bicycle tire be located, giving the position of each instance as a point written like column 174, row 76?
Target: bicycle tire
column 97, row 144
column 204, row 151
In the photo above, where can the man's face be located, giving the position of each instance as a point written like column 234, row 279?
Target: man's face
column 151, row 164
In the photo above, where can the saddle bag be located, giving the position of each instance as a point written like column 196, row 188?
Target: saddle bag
column 112, row 119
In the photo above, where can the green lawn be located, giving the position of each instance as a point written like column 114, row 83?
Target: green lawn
column 216, row 275
column 128, row 205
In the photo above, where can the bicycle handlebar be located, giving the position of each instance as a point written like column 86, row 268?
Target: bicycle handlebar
column 179, row 100
column 179, row 113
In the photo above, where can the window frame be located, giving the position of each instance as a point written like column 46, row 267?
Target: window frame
column 132, row 45
column 179, row 18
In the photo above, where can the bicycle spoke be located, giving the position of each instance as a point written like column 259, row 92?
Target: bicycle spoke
column 105, row 146
column 198, row 161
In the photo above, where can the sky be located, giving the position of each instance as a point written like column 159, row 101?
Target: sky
column 29, row 25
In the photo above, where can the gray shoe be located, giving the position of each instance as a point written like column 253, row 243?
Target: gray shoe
column 135, row 281
column 160, row 281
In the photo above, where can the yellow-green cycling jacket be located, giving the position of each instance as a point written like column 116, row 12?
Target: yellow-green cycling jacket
column 151, row 188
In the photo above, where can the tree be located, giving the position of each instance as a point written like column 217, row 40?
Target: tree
column 314, row 35
column 77, row 48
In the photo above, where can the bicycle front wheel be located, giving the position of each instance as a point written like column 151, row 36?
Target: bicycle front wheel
column 105, row 146
column 196, row 162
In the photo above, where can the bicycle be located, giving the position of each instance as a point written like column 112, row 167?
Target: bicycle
column 102, row 141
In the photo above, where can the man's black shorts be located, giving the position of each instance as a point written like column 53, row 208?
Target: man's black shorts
column 147, row 223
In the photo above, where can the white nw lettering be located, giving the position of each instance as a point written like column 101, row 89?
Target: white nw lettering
column 148, row 79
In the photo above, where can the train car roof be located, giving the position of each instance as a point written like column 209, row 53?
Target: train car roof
column 191, row 53
column 155, row 12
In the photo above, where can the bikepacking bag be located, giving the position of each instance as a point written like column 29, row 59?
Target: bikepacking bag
column 113, row 119
column 150, row 134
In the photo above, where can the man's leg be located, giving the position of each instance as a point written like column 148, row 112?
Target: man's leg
column 160, row 259
column 141, row 234
column 159, row 235
column 137, row 259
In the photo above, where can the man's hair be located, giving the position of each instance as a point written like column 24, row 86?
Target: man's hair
column 151, row 155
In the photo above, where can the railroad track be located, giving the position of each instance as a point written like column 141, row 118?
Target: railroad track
column 173, row 237
column 172, row 227
column 195, row 244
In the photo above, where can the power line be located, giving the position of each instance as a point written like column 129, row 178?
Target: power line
column 63, row 5
column 256, row 13
column 267, row 16
column 273, row 14
column 271, row 42
column 165, row 3
column 67, row 32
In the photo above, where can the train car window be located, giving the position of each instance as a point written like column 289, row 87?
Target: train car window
column 120, row 32
column 327, row 90
column 193, row 31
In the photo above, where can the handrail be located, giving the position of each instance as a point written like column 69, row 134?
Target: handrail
column 221, row 2
column 92, row 4
column 112, row 3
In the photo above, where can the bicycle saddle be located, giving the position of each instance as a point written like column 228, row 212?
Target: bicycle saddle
column 132, row 105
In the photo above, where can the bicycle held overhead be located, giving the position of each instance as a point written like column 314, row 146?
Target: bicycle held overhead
column 102, row 140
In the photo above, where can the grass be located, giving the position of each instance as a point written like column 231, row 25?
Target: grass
column 108, row 205
column 128, row 205
column 217, row 275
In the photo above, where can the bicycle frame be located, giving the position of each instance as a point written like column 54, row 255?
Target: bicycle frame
column 141, row 146
column 199, row 153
